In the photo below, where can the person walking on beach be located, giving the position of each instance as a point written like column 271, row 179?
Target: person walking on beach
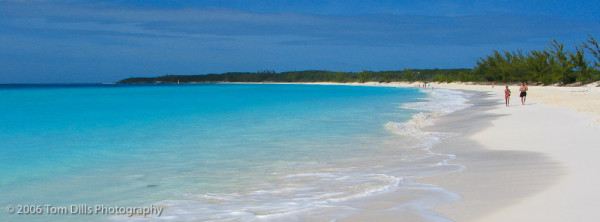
column 507, row 96
column 523, row 94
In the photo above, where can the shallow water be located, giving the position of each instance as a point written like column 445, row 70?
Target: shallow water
column 215, row 151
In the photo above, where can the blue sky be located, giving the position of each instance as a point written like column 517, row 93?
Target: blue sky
column 68, row 41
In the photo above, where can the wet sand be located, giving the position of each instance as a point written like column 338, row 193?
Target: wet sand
column 535, row 162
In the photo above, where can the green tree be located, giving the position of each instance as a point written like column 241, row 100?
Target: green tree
column 593, row 49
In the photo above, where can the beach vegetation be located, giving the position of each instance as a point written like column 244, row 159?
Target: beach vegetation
column 554, row 64
column 406, row 75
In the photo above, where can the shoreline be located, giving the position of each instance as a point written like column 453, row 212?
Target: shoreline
column 523, row 163
column 409, row 199
column 555, row 181
column 492, row 178
column 581, row 99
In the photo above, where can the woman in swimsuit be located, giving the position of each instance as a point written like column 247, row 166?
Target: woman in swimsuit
column 507, row 95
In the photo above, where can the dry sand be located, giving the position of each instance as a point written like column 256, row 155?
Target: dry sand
column 585, row 99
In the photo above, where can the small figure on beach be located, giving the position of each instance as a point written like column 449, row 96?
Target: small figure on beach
column 507, row 96
column 523, row 94
column 493, row 84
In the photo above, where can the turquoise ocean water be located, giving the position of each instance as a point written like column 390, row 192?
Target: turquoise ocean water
column 212, row 151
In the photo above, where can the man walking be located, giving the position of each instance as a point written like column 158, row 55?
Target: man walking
column 523, row 94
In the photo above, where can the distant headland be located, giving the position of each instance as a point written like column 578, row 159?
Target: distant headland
column 553, row 65
column 309, row 76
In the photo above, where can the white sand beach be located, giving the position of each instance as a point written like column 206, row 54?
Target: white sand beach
column 557, row 129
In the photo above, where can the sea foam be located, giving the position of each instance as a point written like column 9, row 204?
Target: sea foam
column 440, row 102
column 332, row 187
